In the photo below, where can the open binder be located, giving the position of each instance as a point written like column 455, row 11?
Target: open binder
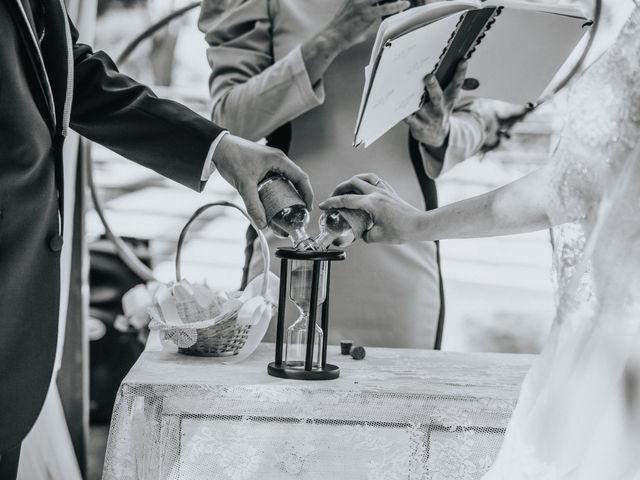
column 514, row 49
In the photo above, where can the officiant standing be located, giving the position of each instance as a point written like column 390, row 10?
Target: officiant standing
column 292, row 71
column 48, row 84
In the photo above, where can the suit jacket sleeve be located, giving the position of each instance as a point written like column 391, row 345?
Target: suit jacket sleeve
column 112, row 109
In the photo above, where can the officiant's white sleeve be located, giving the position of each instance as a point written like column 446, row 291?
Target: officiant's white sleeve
column 469, row 131
column 252, row 93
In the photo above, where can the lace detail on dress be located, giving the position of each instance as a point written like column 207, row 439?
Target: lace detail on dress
column 576, row 419
column 602, row 125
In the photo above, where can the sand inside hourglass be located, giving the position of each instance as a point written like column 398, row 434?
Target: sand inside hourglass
column 301, row 281
column 300, row 292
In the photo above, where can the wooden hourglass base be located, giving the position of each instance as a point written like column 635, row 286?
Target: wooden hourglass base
column 330, row 372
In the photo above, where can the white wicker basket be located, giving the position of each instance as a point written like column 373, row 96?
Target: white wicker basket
column 199, row 330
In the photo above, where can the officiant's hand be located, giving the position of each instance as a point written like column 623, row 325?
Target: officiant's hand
column 352, row 22
column 431, row 124
column 348, row 27
column 394, row 220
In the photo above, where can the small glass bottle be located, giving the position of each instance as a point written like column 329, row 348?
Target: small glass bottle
column 286, row 212
column 301, row 276
column 341, row 227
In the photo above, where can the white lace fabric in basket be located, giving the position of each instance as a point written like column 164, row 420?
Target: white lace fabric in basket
column 181, row 309
column 397, row 414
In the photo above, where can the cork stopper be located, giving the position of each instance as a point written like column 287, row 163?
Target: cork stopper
column 345, row 347
column 358, row 353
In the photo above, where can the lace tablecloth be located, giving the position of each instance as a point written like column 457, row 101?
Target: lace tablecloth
column 397, row 414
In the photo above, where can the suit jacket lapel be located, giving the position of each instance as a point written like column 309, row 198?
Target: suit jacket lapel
column 28, row 34
column 26, row 5
column 58, row 56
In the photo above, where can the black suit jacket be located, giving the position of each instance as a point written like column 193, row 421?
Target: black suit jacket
column 44, row 90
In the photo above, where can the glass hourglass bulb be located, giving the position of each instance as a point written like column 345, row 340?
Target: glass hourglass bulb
column 341, row 227
column 286, row 212
column 301, row 277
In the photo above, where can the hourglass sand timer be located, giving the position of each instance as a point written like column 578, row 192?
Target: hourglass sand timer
column 301, row 349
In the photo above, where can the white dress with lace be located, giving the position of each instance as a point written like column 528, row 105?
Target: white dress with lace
column 578, row 416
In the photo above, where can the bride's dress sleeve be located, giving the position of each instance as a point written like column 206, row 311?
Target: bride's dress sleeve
column 578, row 415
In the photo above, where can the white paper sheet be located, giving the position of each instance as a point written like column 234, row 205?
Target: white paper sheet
column 398, row 86
column 393, row 26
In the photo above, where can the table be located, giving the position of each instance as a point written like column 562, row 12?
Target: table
column 397, row 414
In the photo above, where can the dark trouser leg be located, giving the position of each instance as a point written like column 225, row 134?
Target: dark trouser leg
column 9, row 464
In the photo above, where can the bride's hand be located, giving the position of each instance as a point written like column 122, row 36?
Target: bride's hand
column 394, row 220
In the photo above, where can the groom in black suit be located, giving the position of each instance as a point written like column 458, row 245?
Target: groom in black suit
column 49, row 83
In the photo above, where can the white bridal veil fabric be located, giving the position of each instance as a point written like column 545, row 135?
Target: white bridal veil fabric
column 578, row 416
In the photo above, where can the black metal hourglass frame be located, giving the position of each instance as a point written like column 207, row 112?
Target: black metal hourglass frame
column 325, row 371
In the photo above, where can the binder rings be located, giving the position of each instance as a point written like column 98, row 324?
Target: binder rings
column 514, row 49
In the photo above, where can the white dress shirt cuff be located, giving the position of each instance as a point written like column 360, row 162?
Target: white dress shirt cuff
column 209, row 167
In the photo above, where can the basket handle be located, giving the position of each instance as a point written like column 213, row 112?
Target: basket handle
column 264, row 247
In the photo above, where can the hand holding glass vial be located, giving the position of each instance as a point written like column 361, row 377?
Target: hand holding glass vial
column 341, row 227
column 286, row 212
